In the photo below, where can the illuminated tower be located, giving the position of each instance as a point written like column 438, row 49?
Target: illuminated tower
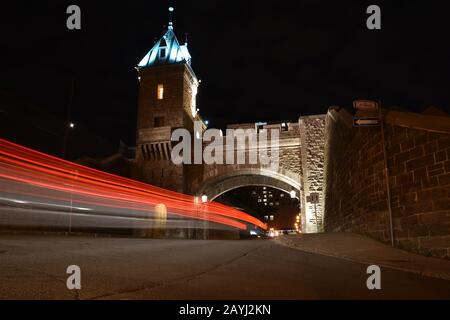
column 167, row 101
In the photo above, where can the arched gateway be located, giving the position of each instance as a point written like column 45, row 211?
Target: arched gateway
column 217, row 186
column 167, row 101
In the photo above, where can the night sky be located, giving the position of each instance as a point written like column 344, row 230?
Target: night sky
column 258, row 60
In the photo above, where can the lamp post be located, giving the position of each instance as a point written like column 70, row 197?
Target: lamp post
column 69, row 125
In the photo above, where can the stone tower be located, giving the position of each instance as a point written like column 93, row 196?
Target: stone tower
column 167, row 101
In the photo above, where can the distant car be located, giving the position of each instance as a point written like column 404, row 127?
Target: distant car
column 273, row 233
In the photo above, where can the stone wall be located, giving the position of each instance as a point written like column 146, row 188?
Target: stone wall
column 157, row 118
column 312, row 136
column 288, row 169
column 417, row 151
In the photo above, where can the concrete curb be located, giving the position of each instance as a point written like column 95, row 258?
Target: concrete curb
column 425, row 273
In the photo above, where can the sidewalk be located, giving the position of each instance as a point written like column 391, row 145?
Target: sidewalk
column 361, row 249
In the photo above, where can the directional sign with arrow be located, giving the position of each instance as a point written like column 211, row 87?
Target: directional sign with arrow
column 367, row 113
column 366, row 122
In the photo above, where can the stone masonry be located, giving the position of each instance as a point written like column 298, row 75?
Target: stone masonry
column 312, row 135
column 356, row 198
column 157, row 118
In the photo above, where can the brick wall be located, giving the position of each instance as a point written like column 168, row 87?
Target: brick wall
column 172, row 112
column 419, row 166
column 419, row 181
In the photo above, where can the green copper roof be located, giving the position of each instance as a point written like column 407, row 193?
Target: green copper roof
column 166, row 51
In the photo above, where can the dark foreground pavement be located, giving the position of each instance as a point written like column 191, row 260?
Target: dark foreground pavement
column 33, row 267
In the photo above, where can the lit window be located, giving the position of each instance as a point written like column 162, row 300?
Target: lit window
column 271, row 218
column 160, row 92
column 194, row 91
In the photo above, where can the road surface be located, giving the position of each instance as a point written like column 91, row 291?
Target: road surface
column 34, row 267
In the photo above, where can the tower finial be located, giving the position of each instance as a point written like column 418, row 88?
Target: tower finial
column 171, row 10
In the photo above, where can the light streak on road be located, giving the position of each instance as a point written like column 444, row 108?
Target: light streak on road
column 37, row 189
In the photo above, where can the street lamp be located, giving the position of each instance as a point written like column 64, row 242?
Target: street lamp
column 204, row 198
column 293, row 194
column 69, row 126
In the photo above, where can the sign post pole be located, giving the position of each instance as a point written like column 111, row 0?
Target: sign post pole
column 317, row 221
column 369, row 113
column 314, row 198
column 386, row 176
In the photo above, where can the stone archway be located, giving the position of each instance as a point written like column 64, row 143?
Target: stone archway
column 217, row 186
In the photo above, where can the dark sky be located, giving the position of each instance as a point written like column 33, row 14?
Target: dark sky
column 258, row 60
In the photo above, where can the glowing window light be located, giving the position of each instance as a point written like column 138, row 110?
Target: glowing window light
column 160, row 92
column 194, row 91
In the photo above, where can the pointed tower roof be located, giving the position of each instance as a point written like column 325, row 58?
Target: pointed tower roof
column 166, row 51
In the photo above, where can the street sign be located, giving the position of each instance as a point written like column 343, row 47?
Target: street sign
column 365, row 105
column 366, row 122
column 313, row 197
column 367, row 113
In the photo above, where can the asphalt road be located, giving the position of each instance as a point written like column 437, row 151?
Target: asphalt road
column 34, row 267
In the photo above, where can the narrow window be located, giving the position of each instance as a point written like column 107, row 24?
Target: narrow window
column 162, row 53
column 159, row 122
column 160, row 92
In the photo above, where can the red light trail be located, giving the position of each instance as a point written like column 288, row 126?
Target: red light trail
column 29, row 177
